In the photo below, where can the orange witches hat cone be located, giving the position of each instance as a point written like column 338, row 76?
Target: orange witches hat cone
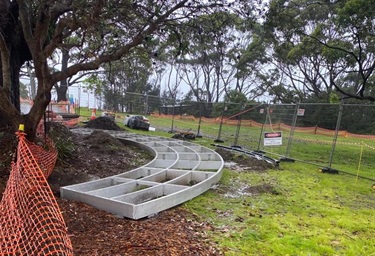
column 93, row 114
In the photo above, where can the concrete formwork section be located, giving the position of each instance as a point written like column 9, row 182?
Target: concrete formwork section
column 179, row 172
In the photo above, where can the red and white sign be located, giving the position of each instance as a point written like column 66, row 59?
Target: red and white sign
column 301, row 112
column 273, row 139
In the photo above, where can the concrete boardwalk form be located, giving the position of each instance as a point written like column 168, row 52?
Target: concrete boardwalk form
column 180, row 171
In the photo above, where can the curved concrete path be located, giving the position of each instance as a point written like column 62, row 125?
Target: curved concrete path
column 180, row 171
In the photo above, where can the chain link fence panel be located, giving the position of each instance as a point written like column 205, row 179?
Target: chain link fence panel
column 330, row 136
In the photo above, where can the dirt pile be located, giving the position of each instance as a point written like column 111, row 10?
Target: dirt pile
column 103, row 143
column 104, row 123
column 97, row 155
column 245, row 162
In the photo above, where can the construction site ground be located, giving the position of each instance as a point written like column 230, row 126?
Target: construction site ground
column 94, row 232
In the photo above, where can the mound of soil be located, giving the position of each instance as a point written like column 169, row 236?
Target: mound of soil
column 244, row 162
column 103, row 142
column 95, row 156
column 105, row 123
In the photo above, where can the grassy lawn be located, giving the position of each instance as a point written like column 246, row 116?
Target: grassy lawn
column 301, row 211
column 305, row 213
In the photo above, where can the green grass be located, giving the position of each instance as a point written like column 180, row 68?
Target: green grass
column 305, row 212
column 309, row 214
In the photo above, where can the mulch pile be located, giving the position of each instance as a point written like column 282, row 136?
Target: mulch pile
column 169, row 233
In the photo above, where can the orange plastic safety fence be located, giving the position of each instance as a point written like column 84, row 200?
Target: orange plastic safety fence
column 30, row 221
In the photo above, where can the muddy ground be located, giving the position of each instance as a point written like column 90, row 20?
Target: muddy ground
column 94, row 232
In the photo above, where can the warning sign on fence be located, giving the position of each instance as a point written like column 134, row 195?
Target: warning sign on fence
column 301, row 112
column 273, row 139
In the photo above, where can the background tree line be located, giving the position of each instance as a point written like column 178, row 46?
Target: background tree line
column 288, row 52
column 242, row 51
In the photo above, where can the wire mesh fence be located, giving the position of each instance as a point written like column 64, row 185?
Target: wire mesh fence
column 331, row 136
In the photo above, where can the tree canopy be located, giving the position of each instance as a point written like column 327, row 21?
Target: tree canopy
column 93, row 32
column 287, row 51
column 322, row 47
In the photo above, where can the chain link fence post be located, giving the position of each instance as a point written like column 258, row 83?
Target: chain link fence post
column 199, row 135
column 172, row 125
column 146, row 104
column 235, row 144
column 218, row 139
column 291, row 134
column 329, row 169
column 267, row 109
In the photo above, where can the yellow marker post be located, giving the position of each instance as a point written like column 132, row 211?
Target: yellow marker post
column 21, row 127
column 360, row 160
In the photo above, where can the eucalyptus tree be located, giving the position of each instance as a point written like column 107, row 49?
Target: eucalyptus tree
column 166, row 65
column 324, row 47
column 251, row 60
column 61, row 61
column 106, row 31
column 298, row 62
column 219, row 54
column 126, row 81
column 355, row 42
column 210, row 38
column 173, row 80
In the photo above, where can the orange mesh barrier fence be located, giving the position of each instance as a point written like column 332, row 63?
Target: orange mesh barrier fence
column 256, row 124
column 231, row 122
column 360, row 136
column 211, row 120
column 30, row 221
column 161, row 115
column 191, row 118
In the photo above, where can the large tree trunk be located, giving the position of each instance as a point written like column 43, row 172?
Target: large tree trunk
column 18, row 54
column 63, row 88
column 32, row 119
column 15, row 66
column 10, row 116
column 61, row 92
column 16, row 63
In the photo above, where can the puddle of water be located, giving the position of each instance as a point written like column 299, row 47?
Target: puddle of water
column 230, row 164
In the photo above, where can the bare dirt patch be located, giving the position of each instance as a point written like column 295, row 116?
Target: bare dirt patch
column 238, row 162
column 244, row 162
